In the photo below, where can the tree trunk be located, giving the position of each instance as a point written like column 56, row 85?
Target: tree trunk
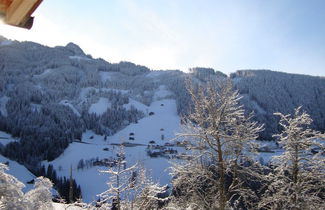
column 295, row 167
column 222, row 198
column 118, row 187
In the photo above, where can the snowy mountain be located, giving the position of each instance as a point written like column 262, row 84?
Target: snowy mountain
column 62, row 109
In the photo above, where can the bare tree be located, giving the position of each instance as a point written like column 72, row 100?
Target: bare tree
column 219, row 129
column 298, row 181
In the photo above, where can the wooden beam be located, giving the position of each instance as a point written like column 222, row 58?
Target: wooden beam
column 4, row 4
column 20, row 10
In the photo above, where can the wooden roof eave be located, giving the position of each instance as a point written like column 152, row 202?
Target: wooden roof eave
column 18, row 12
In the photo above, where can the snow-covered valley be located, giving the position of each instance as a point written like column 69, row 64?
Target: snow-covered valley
column 159, row 127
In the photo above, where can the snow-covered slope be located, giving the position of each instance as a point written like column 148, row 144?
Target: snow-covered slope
column 162, row 92
column 100, row 106
column 19, row 171
column 159, row 126
column 136, row 104
column 66, row 103
column 3, row 103
column 163, row 120
column 6, row 138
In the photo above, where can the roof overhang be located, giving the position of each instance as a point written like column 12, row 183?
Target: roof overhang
column 18, row 12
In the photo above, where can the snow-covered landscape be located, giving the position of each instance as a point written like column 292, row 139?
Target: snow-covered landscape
column 66, row 116
column 161, row 127
column 165, row 122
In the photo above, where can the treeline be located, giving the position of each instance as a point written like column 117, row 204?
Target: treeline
column 263, row 92
column 266, row 92
column 44, row 134
column 112, row 120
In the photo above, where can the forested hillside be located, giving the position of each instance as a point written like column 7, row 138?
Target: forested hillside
column 266, row 92
column 50, row 96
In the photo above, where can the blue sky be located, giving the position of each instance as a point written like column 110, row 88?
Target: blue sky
column 282, row 35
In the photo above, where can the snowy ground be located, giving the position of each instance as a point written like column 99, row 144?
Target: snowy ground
column 61, row 206
column 265, row 157
column 6, row 138
column 139, row 106
column 162, row 93
column 19, row 171
column 100, row 106
column 107, row 76
column 160, row 125
column 45, row 73
column 94, row 146
column 85, row 93
column 3, row 103
column 66, row 103
column 163, row 121
column 79, row 58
